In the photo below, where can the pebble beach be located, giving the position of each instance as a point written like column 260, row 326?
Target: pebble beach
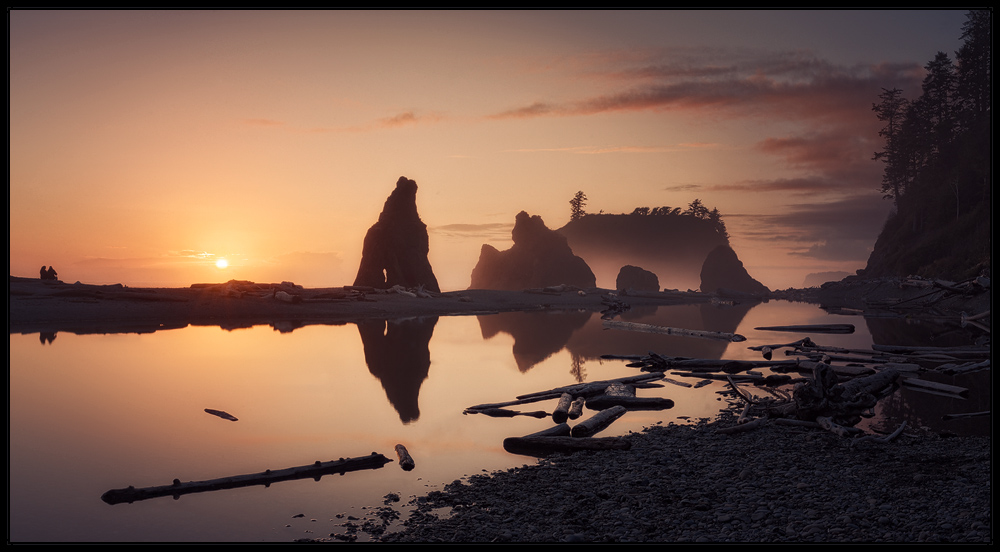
column 692, row 484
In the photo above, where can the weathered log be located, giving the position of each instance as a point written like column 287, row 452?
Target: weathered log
column 965, row 415
column 952, row 368
column 576, row 408
column 405, row 460
column 918, row 384
column 906, row 349
column 649, row 328
column 504, row 413
column 536, row 398
column 222, row 414
column 314, row 471
column 592, row 387
column 604, row 402
column 827, row 423
column 558, row 430
column 618, row 389
column 817, row 328
column 598, row 422
column 561, row 412
column 545, row 446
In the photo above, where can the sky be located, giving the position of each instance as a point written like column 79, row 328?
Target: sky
column 146, row 146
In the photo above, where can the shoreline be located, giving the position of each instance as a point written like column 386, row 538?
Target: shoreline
column 40, row 306
column 680, row 483
column 37, row 306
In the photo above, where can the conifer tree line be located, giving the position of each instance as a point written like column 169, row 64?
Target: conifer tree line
column 695, row 209
column 936, row 147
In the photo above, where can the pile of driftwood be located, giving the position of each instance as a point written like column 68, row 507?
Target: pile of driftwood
column 611, row 399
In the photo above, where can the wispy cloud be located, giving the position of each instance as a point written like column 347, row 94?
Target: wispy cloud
column 597, row 150
column 790, row 85
column 488, row 231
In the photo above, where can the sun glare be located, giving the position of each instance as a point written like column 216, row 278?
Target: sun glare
column 222, row 263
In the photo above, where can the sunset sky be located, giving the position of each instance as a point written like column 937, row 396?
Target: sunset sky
column 147, row 145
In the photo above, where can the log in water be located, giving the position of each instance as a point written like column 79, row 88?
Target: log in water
column 315, row 471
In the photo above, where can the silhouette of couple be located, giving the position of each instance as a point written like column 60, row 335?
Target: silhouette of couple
column 47, row 273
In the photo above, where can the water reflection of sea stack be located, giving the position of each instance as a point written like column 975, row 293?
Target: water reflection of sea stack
column 537, row 335
column 397, row 353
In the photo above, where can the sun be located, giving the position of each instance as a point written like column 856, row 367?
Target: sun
column 222, row 263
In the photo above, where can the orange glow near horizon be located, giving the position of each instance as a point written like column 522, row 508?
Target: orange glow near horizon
column 140, row 139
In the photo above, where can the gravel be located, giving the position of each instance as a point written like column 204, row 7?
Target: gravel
column 687, row 483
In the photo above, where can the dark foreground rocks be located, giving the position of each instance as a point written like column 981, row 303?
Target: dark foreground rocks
column 691, row 484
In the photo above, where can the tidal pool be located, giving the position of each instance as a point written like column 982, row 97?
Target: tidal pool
column 91, row 413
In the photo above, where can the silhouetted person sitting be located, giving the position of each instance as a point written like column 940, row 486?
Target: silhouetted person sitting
column 49, row 274
column 43, row 273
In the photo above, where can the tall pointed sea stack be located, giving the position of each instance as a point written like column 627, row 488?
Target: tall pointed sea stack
column 395, row 248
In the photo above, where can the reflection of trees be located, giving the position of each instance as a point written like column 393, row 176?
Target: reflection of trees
column 537, row 335
column 926, row 409
column 593, row 340
column 921, row 409
column 397, row 353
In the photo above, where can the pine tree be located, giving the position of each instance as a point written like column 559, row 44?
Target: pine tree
column 576, row 206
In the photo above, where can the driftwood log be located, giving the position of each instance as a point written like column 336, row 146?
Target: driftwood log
column 604, row 402
column 561, row 412
column 544, row 446
column 598, row 422
column 505, row 413
column 817, row 328
column 405, row 460
column 314, row 471
column 649, row 328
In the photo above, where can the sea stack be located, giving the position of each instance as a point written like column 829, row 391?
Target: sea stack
column 723, row 273
column 395, row 247
column 540, row 257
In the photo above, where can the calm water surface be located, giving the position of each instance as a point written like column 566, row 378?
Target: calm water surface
column 90, row 413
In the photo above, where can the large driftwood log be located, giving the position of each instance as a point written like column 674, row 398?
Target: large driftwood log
column 817, row 328
column 561, row 412
column 544, row 446
column 604, row 402
column 595, row 387
column 934, row 387
column 558, row 430
column 598, row 422
column 314, row 471
column 504, row 413
column 649, row 328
